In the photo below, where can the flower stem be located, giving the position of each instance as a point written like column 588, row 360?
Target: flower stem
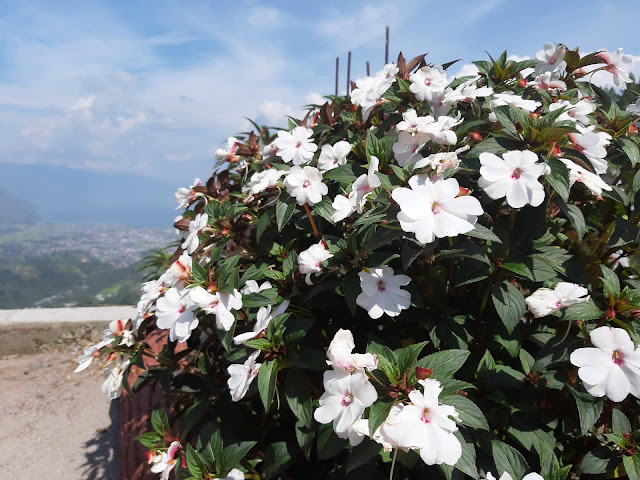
column 313, row 224
column 393, row 463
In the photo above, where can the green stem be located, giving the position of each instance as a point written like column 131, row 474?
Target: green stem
column 393, row 463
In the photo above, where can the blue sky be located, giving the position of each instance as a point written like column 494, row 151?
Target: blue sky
column 153, row 88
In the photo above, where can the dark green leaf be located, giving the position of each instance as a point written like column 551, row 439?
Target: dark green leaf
column 559, row 177
column 328, row 442
column 589, row 409
column 304, row 436
column 267, row 377
column 351, row 289
column 509, row 303
column 362, row 454
column 408, row 356
column 194, row 463
column 192, row 416
column 378, row 413
column 599, row 460
column 470, row 414
column 508, row 459
column 619, row 422
column 630, row 148
column 483, row 233
column 298, row 398
column 632, row 466
column 209, row 443
column 624, row 233
column 467, row 462
column 277, row 457
column 284, row 211
column 610, row 282
column 231, row 456
column 151, row 439
column 159, row 421
column 582, row 311
column 445, row 363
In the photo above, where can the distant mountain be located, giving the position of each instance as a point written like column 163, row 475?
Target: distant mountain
column 64, row 195
column 14, row 209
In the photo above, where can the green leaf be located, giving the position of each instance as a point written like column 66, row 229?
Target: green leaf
column 267, row 376
column 624, row 233
column 445, row 363
column 610, row 282
column 378, row 413
column 574, row 214
column 387, row 360
column 509, row 303
column 328, row 442
column 599, row 460
column 192, row 416
column 632, row 466
column 304, row 436
column 260, row 299
column 259, row 344
column 159, row 420
column 467, row 462
column 582, row 311
column 589, row 409
column 284, row 212
column 351, row 289
column 518, row 268
column 200, row 274
column 231, row 456
column 470, row 414
column 483, row 233
column 209, row 443
column 345, row 174
column 630, row 148
column 297, row 394
column 408, row 356
column 362, row 454
column 508, row 459
column 151, row 439
column 619, row 422
column 263, row 223
column 277, row 457
column 194, row 463
column 559, row 177
column 226, row 274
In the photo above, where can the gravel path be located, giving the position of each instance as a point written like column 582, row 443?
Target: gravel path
column 55, row 424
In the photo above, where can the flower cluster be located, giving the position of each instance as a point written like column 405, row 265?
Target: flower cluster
column 476, row 237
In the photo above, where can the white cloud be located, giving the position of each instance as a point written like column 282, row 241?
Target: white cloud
column 274, row 112
column 315, row 98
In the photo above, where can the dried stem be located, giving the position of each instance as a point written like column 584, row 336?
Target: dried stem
column 313, row 224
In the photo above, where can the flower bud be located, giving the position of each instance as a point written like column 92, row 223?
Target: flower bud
column 522, row 82
column 633, row 129
column 462, row 192
column 579, row 73
column 423, row 373
column 475, row 136
column 534, row 116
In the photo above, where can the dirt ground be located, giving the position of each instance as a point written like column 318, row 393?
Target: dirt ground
column 55, row 424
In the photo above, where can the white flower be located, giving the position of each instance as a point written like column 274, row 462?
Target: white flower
column 506, row 476
column 296, row 146
column 440, row 131
column 220, row 303
column 260, row 181
column 234, row 474
column 118, row 328
column 184, row 196
column 439, row 162
column 310, row 260
column 427, row 81
column 369, row 90
column 360, row 190
column 576, row 113
column 407, row 149
column 431, row 208
column 381, row 292
column 356, row 432
column 89, row 354
column 176, row 311
column 179, row 271
column 263, row 319
column 345, row 398
column 305, row 184
column 634, row 107
column 545, row 301
column 592, row 145
column 549, row 81
column 241, row 376
column 251, row 286
column 515, row 176
column 469, row 91
column 508, row 98
column 425, row 425
column 412, row 123
column 164, row 462
column 340, row 356
column 612, row 368
column 551, row 59
column 229, row 154
column 580, row 174
column 618, row 65
column 112, row 386
column 333, row 156
column 195, row 228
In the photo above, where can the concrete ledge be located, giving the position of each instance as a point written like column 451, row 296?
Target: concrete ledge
column 29, row 331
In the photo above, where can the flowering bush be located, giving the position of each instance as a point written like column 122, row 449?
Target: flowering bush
column 433, row 276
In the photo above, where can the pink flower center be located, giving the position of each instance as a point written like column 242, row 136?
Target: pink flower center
column 298, row 144
column 182, row 309
column 436, row 208
column 617, row 357
column 306, row 184
column 381, row 286
column 516, row 173
column 347, row 400
column 425, row 416
column 427, row 81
